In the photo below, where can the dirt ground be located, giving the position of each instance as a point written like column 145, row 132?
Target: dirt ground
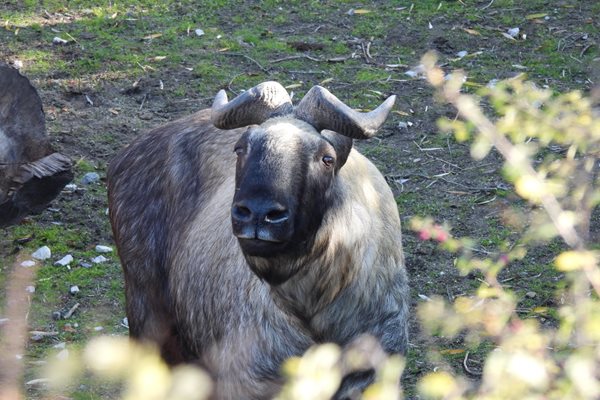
column 91, row 116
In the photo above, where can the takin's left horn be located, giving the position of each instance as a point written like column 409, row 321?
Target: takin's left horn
column 323, row 110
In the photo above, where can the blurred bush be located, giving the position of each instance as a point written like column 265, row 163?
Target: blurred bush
column 550, row 144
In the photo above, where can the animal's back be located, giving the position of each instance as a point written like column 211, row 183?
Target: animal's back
column 155, row 187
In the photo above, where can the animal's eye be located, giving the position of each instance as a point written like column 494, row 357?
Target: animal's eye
column 328, row 161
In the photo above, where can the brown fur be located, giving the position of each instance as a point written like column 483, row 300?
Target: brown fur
column 188, row 285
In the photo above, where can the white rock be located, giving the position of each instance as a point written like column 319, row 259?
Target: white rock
column 30, row 289
column 28, row 263
column 74, row 289
column 103, row 249
column 58, row 40
column 514, row 32
column 71, row 187
column 462, row 54
column 99, row 260
column 98, row 328
column 66, row 260
column 42, row 253
column 199, row 32
column 125, row 322
column 61, row 345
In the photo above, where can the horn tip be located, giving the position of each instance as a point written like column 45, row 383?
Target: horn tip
column 390, row 101
column 220, row 99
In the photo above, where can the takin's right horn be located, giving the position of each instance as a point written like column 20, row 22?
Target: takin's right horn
column 252, row 107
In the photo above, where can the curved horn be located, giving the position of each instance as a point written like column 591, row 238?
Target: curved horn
column 323, row 110
column 254, row 106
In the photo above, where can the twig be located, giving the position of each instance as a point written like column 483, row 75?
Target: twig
column 69, row 313
column 585, row 49
column 483, row 8
column 295, row 58
column 42, row 333
column 143, row 102
column 466, row 367
column 230, row 82
column 263, row 69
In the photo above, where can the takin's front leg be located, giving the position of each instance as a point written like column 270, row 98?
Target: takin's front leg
column 354, row 384
column 151, row 321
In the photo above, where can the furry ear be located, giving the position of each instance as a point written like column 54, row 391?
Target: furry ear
column 342, row 145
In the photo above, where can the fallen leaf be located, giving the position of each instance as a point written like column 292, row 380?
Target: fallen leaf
column 159, row 58
column 452, row 351
column 471, row 31
column 294, row 86
column 152, row 36
column 360, row 11
column 536, row 16
column 325, row 81
column 506, row 35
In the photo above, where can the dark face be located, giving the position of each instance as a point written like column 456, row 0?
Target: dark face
column 285, row 170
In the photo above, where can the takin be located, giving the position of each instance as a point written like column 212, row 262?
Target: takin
column 252, row 230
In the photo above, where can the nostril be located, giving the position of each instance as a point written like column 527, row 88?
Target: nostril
column 277, row 216
column 242, row 213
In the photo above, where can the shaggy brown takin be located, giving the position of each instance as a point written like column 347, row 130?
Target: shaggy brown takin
column 253, row 230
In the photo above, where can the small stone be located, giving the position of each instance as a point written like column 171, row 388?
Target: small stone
column 30, row 289
column 85, row 264
column 70, row 188
column 61, row 345
column 42, row 253
column 99, row 260
column 58, row 40
column 56, row 315
column 98, row 328
column 28, row 263
column 66, row 260
column 199, row 32
column 89, row 178
column 125, row 323
column 514, row 32
column 462, row 54
column 531, row 295
column 103, row 249
column 74, row 289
